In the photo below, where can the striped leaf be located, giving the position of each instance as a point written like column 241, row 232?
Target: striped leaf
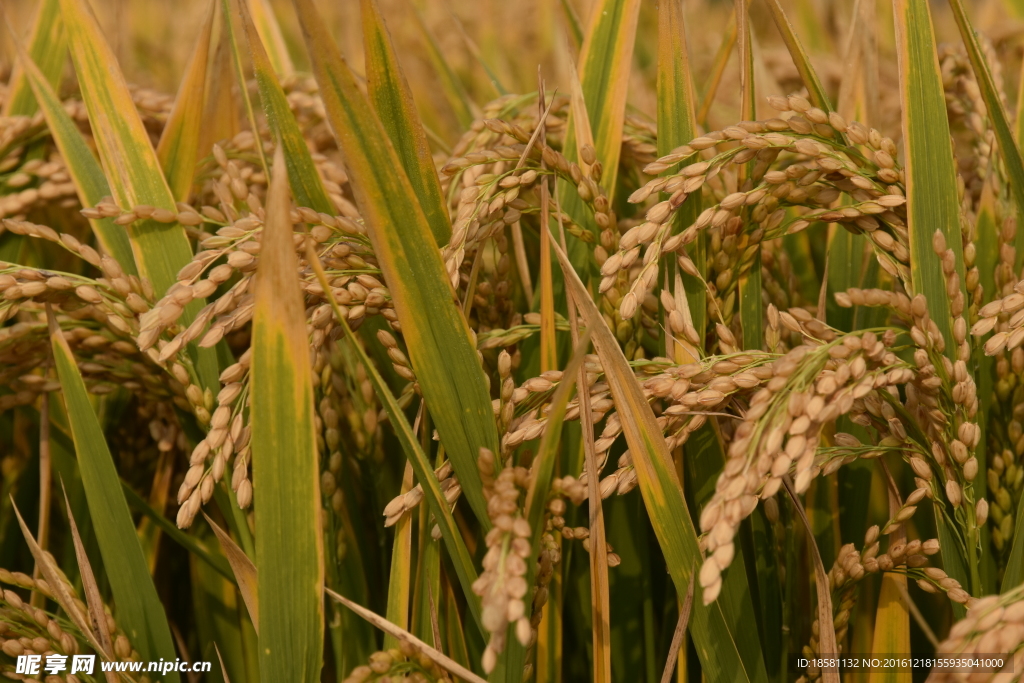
column 392, row 101
column 677, row 125
column 929, row 167
column 85, row 171
column 815, row 90
column 48, row 48
column 305, row 181
column 453, row 88
column 440, row 347
column 1000, row 121
column 139, row 611
column 604, row 68
column 892, row 619
column 400, row 577
column 750, row 302
column 179, row 143
column 271, row 36
column 285, row 463
column 722, row 656
column 232, row 41
column 131, row 164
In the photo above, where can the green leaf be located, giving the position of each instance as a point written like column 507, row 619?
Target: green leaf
column 815, row 90
column 186, row 541
column 441, row 350
column 85, row 171
column 1008, row 148
column 48, row 48
column 230, row 38
column 392, row 101
column 305, row 181
column 454, row 90
column 285, row 463
column 677, row 125
column 930, row 172
column 271, row 36
column 400, row 577
column 543, row 467
column 750, row 295
column 139, row 611
column 723, row 657
column 179, row 143
column 604, row 67
column 130, row 164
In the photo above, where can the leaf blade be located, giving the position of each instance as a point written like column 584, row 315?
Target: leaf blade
column 929, row 166
column 392, row 100
column 720, row 654
column 130, row 163
column 90, row 183
column 179, row 143
column 307, row 187
column 285, row 468
column 677, row 125
column 438, row 337
column 48, row 48
column 140, row 612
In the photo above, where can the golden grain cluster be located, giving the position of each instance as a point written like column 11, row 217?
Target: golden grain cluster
column 581, row 340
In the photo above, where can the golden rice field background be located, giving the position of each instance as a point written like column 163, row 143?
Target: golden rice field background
column 560, row 340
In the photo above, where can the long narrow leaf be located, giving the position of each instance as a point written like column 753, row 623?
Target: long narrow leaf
column 285, row 465
column 929, row 167
column 305, row 181
column 179, row 143
column 437, row 335
column 48, row 48
column 677, row 125
column 243, row 570
column 93, row 599
column 400, row 577
column 815, row 89
column 392, row 101
column 130, row 163
column 271, row 36
column 722, row 657
column 604, row 67
column 85, row 171
column 892, row 620
column 750, row 290
column 139, row 611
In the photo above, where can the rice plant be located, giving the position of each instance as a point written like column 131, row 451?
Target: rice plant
column 603, row 340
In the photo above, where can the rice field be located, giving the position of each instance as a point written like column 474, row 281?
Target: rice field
column 553, row 341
